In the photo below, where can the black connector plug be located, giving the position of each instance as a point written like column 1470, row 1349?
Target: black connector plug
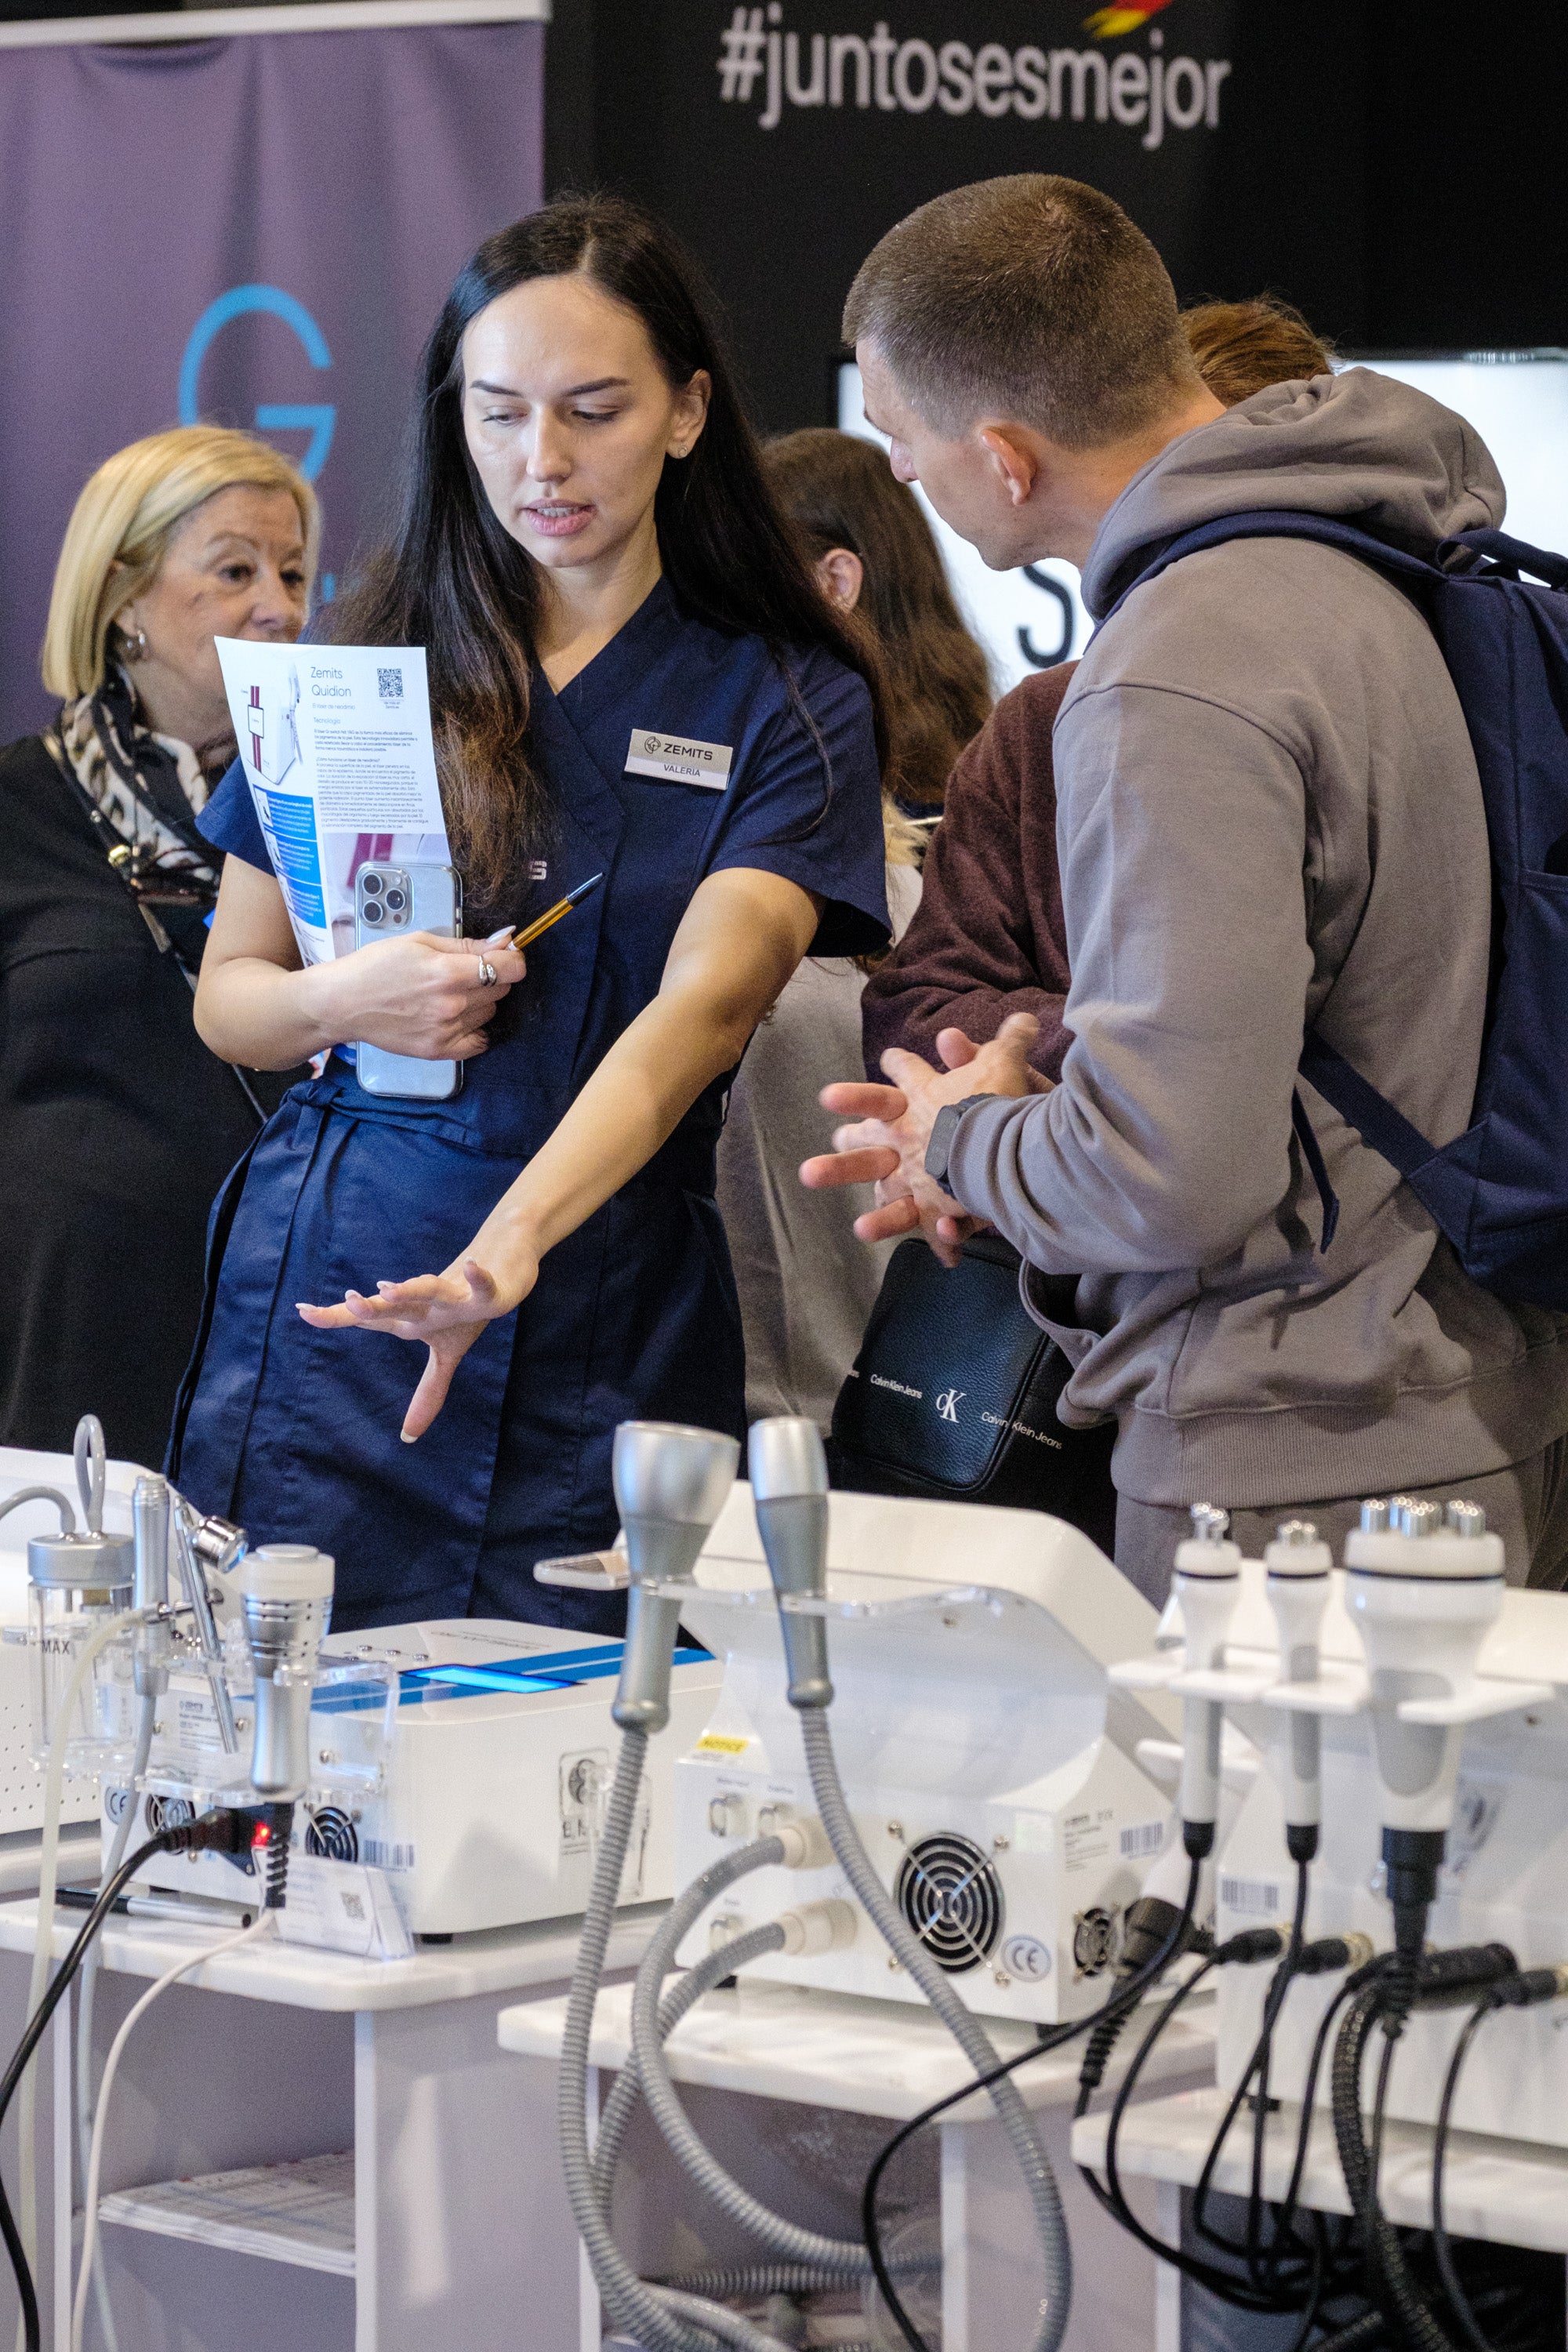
column 1147, row 1927
column 1251, row 1944
column 1324, row 1954
column 258, row 1835
column 1528, row 1987
column 1449, row 1980
column 227, row 1829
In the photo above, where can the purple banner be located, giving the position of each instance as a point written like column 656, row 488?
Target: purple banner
column 256, row 230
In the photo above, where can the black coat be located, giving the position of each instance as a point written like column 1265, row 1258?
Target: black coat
column 117, row 1127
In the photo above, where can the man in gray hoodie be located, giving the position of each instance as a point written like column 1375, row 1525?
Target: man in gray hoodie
column 1268, row 816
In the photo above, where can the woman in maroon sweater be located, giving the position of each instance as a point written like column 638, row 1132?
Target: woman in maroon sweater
column 988, row 938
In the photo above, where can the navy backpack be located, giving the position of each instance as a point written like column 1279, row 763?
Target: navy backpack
column 1498, row 1192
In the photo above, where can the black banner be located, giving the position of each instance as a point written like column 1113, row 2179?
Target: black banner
column 782, row 139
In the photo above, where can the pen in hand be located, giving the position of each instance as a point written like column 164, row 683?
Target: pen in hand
column 509, row 937
column 553, row 914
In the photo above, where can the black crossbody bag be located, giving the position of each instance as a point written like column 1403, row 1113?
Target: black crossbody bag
column 954, row 1396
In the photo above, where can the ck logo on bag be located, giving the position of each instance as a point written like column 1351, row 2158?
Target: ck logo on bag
column 948, row 1403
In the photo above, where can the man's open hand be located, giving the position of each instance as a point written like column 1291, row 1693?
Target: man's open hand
column 885, row 1143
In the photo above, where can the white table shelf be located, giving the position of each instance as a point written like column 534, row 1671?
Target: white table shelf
column 833, row 2050
column 445, row 2219
column 300, row 2212
column 501, row 1960
column 1509, row 2191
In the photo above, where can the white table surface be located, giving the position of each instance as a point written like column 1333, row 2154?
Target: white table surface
column 836, row 2049
column 296, row 1977
column 1509, row 2191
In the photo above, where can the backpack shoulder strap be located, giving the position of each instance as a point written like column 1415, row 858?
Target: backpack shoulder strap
column 1268, row 523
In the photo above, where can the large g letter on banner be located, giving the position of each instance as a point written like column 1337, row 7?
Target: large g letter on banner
column 270, row 415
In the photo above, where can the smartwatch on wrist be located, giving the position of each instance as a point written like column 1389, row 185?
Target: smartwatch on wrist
column 939, row 1151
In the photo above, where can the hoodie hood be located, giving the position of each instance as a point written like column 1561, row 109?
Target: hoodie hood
column 1359, row 446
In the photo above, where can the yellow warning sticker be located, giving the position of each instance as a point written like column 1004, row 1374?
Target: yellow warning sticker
column 721, row 1743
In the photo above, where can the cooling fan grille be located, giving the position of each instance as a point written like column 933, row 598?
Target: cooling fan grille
column 330, row 1835
column 950, row 1895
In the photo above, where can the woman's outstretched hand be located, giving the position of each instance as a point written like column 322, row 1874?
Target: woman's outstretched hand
column 448, row 1311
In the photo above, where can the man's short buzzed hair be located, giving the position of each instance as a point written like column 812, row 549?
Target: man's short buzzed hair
column 1032, row 300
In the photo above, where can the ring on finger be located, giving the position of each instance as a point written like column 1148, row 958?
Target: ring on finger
column 486, row 973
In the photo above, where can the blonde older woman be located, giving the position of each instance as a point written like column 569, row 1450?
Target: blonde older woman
column 117, row 1125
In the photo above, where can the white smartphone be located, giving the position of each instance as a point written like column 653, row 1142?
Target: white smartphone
column 389, row 899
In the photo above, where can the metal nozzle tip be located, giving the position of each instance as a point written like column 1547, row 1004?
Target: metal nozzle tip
column 1419, row 1519
column 1210, row 1524
column 1464, row 1519
column 1296, row 1531
column 785, row 1457
column 1375, row 1515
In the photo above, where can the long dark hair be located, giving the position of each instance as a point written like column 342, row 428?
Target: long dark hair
column 456, row 583
column 840, row 492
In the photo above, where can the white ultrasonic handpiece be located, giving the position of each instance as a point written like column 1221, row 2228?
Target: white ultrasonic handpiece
column 1299, row 1563
column 1208, row 1584
column 1423, row 1585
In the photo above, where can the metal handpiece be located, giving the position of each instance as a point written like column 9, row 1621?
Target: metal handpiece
column 201, row 1607
column 671, row 1483
column 217, row 1543
column 285, row 1592
column 150, row 1506
column 789, row 1488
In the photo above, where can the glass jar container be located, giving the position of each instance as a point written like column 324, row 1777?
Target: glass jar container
column 76, row 1583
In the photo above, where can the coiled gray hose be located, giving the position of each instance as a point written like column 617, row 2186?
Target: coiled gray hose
column 786, row 2239
column 684, row 1995
column 757, row 2279
column 971, row 2037
column 659, row 2320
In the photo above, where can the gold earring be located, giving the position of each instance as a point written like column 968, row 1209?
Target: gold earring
column 133, row 646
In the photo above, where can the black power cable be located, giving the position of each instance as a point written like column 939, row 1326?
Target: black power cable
column 1114, row 2009
column 1317, row 2266
column 1226, row 2286
column 226, row 1832
column 1255, row 2069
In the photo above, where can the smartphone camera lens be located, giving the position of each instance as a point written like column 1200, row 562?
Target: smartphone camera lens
column 371, row 885
column 371, row 912
column 395, row 902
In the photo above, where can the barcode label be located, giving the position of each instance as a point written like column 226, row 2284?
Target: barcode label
column 1253, row 1898
column 383, row 1854
column 1142, row 1839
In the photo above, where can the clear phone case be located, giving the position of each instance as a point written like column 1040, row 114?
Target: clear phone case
column 389, row 899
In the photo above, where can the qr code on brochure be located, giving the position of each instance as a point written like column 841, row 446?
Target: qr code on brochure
column 389, row 684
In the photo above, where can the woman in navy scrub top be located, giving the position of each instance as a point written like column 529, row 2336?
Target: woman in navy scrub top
column 588, row 552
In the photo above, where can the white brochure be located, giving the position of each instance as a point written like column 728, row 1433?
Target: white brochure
column 337, row 753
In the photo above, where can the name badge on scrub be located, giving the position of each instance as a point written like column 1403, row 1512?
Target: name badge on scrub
column 678, row 758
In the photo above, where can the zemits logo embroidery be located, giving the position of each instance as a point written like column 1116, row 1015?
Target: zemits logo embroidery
column 1145, row 91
